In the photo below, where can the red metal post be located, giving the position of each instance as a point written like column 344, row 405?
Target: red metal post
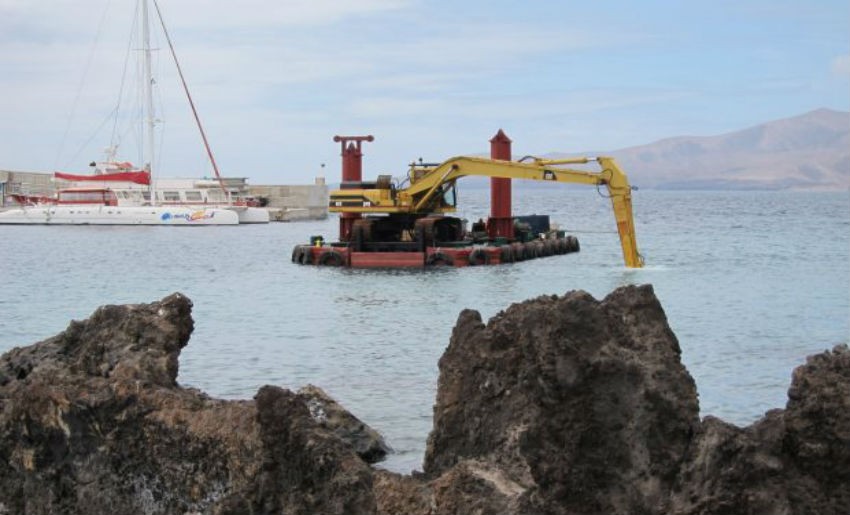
column 500, row 223
column 352, row 171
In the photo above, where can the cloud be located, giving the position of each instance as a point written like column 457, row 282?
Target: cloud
column 206, row 14
column 488, row 44
column 282, row 13
column 379, row 107
column 550, row 105
column 280, row 78
column 841, row 66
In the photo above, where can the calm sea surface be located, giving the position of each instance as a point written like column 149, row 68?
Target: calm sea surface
column 751, row 282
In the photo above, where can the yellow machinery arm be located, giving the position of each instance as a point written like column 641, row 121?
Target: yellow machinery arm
column 429, row 183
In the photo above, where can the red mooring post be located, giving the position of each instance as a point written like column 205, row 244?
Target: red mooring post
column 352, row 171
column 500, row 223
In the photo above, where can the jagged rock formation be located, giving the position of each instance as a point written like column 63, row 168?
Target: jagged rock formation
column 558, row 405
column 366, row 442
column 795, row 460
column 92, row 421
column 575, row 404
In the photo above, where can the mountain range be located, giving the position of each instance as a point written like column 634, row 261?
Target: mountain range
column 810, row 151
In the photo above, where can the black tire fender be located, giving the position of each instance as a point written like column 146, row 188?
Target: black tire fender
column 518, row 251
column 439, row 259
column 306, row 256
column 563, row 246
column 541, row 248
column 506, row 254
column 331, row 258
column 479, row 257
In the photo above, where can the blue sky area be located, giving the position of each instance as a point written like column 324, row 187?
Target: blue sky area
column 275, row 80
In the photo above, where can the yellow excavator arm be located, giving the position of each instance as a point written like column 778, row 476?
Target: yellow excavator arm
column 430, row 183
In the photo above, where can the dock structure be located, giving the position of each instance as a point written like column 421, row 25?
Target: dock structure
column 24, row 183
column 293, row 202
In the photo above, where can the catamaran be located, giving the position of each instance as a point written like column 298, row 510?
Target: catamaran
column 119, row 194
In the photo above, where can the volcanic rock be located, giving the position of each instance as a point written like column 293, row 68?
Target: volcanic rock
column 568, row 404
column 790, row 461
column 558, row 405
column 92, row 421
column 329, row 414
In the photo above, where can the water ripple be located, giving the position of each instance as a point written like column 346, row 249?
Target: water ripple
column 751, row 283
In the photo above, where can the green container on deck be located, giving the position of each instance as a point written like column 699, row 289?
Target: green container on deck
column 314, row 240
column 499, row 241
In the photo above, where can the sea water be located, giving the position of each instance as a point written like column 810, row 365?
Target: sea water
column 751, row 282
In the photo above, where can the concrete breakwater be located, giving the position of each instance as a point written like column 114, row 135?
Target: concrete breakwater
column 556, row 405
column 294, row 202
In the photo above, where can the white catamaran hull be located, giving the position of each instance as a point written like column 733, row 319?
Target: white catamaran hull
column 118, row 215
column 251, row 215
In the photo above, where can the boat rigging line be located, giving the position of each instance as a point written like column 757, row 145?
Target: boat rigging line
column 191, row 102
column 86, row 69
column 115, row 138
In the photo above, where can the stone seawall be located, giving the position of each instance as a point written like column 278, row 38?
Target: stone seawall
column 558, row 405
column 295, row 202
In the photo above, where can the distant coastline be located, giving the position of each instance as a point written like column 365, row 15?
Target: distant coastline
column 808, row 152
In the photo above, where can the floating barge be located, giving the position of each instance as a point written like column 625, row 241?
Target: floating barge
column 388, row 224
column 458, row 253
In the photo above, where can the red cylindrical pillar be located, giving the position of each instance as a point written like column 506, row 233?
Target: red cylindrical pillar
column 352, row 171
column 352, row 166
column 500, row 223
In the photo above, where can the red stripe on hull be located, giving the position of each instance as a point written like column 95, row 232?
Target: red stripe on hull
column 387, row 260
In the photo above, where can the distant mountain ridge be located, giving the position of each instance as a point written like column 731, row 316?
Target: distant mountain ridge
column 810, row 151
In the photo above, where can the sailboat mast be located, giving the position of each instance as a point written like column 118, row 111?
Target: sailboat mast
column 148, row 80
column 192, row 104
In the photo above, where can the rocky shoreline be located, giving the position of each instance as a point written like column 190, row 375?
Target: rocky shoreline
column 557, row 405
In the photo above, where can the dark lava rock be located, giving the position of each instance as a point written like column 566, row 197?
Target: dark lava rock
column 576, row 405
column 569, row 405
column 92, row 421
column 817, row 420
column 329, row 414
column 305, row 469
column 792, row 461
column 558, row 405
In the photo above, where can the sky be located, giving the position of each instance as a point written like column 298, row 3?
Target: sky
column 274, row 81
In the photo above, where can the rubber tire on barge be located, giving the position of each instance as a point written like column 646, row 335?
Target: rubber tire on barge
column 439, row 259
column 331, row 258
column 298, row 254
column 506, row 254
column 306, row 257
column 479, row 257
